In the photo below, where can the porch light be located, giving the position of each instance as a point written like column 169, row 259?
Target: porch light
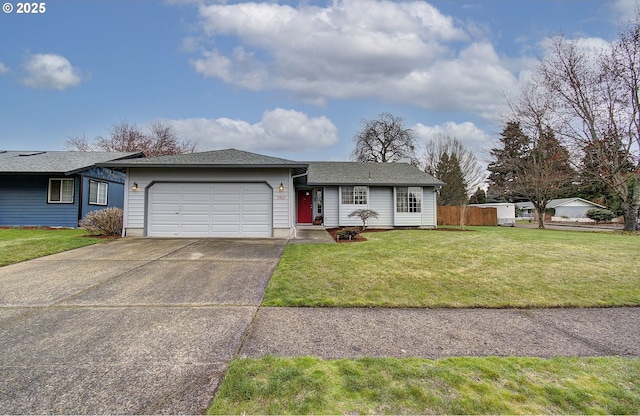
column 281, row 187
column 135, row 186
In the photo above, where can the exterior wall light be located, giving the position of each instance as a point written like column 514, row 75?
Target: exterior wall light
column 135, row 186
column 281, row 187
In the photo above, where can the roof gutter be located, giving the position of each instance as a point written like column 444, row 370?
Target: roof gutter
column 301, row 175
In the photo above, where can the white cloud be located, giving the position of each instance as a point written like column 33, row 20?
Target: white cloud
column 50, row 71
column 474, row 138
column 625, row 8
column 3, row 69
column 279, row 130
column 395, row 51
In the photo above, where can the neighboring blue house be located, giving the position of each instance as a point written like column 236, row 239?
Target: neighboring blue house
column 57, row 188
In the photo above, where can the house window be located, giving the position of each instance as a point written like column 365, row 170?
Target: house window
column 60, row 191
column 98, row 193
column 409, row 199
column 354, row 195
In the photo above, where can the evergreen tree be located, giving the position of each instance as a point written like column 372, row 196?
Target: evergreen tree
column 455, row 190
column 514, row 146
column 479, row 197
column 531, row 169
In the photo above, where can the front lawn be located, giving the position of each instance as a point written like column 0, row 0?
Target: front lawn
column 418, row 386
column 17, row 244
column 484, row 267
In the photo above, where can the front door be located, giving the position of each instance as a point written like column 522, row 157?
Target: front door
column 305, row 206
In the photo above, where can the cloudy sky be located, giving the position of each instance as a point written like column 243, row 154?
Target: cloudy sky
column 293, row 79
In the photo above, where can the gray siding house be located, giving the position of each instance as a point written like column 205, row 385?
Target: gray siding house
column 57, row 188
column 233, row 193
column 570, row 209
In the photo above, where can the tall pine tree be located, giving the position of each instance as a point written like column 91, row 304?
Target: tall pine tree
column 514, row 145
column 455, row 190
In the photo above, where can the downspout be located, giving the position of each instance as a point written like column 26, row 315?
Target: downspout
column 125, row 203
column 80, row 196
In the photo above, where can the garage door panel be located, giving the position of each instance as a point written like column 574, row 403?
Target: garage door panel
column 201, row 219
column 195, row 230
column 254, row 218
column 226, row 219
column 225, row 208
column 164, row 230
column 210, row 210
column 196, row 208
column 196, row 199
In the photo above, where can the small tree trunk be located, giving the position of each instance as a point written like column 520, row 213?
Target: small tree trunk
column 540, row 219
column 463, row 214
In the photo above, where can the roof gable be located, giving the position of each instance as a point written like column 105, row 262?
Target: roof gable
column 563, row 201
column 65, row 162
column 368, row 173
column 215, row 158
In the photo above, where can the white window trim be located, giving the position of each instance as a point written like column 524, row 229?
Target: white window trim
column 61, row 201
column 99, row 185
column 359, row 195
column 411, row 190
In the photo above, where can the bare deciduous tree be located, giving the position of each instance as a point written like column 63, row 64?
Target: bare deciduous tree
column 384, row 139
column 599, row 97
column 472, row 172
column 161, row 139
column 80, row 143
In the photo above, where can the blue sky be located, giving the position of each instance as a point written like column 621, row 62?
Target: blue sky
column 284, row 78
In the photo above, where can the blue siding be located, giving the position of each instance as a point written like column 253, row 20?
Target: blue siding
column 23, row 202
column 115, row 196
column 23, row 198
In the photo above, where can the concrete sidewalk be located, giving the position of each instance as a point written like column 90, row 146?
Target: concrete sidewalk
column 437, row 333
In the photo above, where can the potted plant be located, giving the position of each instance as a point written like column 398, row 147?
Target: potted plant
column 318, row 220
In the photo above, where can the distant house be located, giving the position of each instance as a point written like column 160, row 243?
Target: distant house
column 57, row 188
column 566, row 209
column 232, row 193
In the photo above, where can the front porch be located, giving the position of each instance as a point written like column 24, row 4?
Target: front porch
column 310, row 206
column 313, row 234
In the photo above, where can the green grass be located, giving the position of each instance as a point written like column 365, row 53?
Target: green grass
column 485, row 267
column 418, row 386
column 18, row 244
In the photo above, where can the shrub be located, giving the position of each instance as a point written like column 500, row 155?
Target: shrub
column 364, row 215
column 600, row 214
column 347, row 233
column 106, row 221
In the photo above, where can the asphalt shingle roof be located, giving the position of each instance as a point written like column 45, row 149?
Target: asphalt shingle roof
column 368, row 173
column 214, row 158
column 320, row 173
column 55, row 161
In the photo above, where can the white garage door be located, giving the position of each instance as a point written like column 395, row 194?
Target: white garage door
column 210, row 210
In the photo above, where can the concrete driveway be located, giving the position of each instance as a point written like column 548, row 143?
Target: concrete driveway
column 130, row 326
